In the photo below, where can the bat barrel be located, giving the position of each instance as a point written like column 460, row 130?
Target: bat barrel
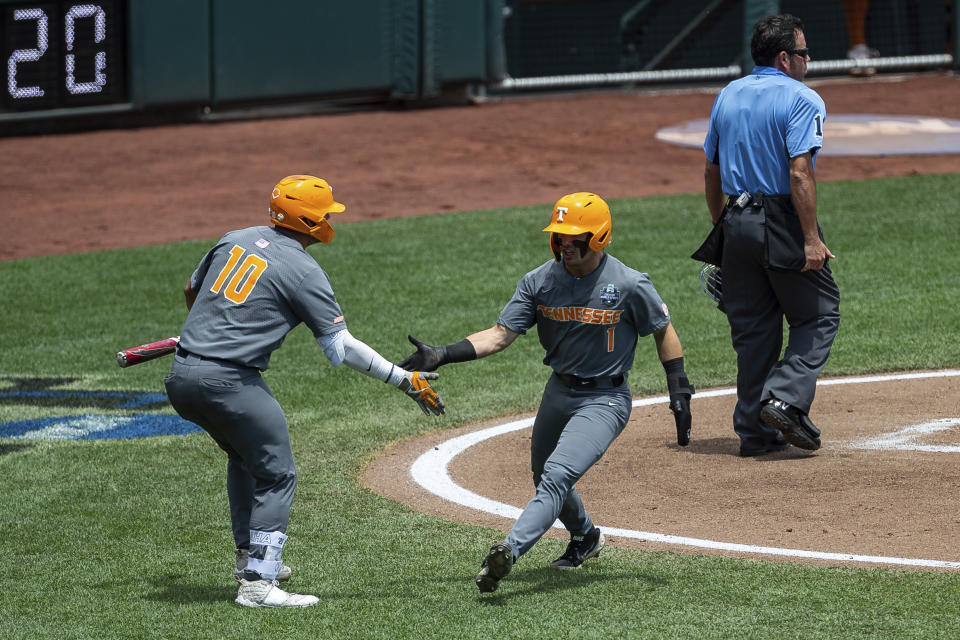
column 145, row 352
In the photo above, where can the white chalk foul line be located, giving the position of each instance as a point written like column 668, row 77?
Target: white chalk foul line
column 903, row 439
column 430, row 472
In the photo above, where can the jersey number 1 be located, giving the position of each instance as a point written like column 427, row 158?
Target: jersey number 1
column 242, row 283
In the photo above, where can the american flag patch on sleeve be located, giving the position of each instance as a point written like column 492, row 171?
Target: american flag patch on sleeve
column 337, row 319
column 263, row 244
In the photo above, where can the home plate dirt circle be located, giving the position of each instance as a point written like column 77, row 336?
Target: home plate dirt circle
column 883, row 491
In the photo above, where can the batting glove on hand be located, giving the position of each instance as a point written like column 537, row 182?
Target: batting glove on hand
column 680, row 405
column 680, row 392
column 425, row 358
column 415, row 385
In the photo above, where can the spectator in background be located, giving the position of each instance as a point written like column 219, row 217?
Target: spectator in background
column 855, row 14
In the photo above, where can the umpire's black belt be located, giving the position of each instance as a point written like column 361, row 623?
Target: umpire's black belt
column 602, row 382
column 744, row 200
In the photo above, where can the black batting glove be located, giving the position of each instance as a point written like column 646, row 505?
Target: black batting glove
column 681, row 415
column 428, row 358
column 425, row 358
column 680, row 393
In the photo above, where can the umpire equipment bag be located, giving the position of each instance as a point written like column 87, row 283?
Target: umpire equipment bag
column 711, row 251
column 784, row 234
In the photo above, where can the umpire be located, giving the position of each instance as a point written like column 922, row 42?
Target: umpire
column 761, row 147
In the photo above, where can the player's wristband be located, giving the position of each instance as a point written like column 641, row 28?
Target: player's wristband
column 677, row 381
column 462, row 351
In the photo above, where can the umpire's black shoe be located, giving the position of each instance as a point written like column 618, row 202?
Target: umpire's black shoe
column 778, row 443
column 495, row 566
column 580, row 548
column 795, row 425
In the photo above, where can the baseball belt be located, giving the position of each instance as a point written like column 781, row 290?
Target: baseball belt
column 601, row 382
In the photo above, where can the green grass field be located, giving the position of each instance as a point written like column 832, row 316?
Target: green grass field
column 131, row 538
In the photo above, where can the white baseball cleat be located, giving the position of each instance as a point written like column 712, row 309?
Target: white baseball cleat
column 266, row 593
column 862, row 52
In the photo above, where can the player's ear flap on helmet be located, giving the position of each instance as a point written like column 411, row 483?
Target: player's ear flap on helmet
column 601, row 237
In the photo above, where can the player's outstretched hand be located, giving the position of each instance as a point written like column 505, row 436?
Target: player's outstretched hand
column 425, row 358
column 680, row 405
column 415, row 384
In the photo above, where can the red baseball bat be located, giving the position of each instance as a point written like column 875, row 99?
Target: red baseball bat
column 149, row 351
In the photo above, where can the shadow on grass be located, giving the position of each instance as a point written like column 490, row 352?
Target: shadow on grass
column 176, row 589
column 522, row 583
column 6, row 448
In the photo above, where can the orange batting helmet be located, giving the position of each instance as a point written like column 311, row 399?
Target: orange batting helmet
column 302, row 203
column 577, row 213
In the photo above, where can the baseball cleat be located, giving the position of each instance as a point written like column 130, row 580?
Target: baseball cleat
column 859, row 53
column 580, row 548
column 495, row 566
column 266, row 593
column 792, row 423
column 243, row 555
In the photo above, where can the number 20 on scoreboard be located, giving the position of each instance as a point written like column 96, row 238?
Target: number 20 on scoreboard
column 62, row 54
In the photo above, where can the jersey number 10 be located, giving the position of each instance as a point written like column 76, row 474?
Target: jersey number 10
column 245, row 278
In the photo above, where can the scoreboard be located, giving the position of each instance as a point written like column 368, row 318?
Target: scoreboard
column 60, row 55
column 73, row 64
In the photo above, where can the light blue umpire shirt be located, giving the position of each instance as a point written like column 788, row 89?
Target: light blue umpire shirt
column 754, row 149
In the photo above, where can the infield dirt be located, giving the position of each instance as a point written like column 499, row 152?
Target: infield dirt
column 847, row 498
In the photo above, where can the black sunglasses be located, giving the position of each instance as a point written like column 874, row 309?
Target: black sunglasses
column 803, row 53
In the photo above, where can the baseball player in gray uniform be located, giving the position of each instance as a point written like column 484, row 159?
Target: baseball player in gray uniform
column 248, row 292
column 589, row 309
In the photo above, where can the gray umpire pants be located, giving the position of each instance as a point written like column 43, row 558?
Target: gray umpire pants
column 572, row 430
column 234, row 405
column 757, row 299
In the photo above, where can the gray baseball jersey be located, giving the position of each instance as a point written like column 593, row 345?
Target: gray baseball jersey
column 253, row 288
column 256, row 285
column 589, row 326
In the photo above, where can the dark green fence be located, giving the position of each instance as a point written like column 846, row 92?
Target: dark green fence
column 82, row 63
column 554, row 43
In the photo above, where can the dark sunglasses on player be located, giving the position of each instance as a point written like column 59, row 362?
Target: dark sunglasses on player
column 803, row 53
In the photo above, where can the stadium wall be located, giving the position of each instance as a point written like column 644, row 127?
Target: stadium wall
column 87, row 64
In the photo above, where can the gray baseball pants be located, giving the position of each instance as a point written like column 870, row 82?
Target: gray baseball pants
column 234, row 405
column 572, row 430
column 757, row 299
